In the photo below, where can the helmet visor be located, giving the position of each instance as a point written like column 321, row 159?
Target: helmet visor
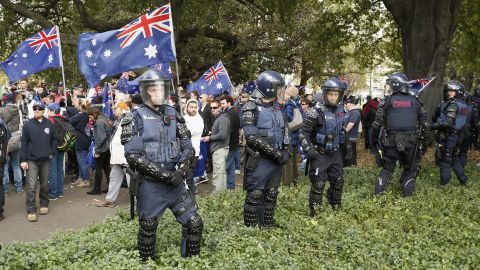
column 156, row 91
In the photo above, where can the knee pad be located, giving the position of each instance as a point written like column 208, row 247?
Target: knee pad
column 270, row 202
column 147, row 238
column 335, row 192
column 271, row 196
column 316, row 192
column 250, row 210
column 194, row 229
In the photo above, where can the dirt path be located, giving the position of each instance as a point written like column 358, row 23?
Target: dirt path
column 76, row 210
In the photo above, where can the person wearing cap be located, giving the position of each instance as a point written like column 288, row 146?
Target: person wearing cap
column 11, row 116
column 56, row 174
column 352, row 129
column 118, row 161
column 38, row 145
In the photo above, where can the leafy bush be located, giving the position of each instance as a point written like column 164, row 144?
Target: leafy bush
column 437, row 228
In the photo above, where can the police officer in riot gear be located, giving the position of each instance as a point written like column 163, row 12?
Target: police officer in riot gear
column 451, row 119
column 403, row 120
column 158, row 147
column 267, row 149
column 321, row 137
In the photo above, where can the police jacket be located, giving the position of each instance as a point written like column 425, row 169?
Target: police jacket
column 323, row 127
column 399, row 113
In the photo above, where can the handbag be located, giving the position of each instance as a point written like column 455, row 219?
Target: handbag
column 297, row 120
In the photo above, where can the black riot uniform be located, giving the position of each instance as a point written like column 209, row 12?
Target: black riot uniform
column 399, row 124
column 267, row 145
column 321, row 137
column 452, row 122
column 158, row 147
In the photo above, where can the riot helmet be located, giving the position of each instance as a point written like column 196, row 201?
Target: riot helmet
column 154, row 87
column 456, row 87
column 397, row 82
column 268, row 83
column 330, row 88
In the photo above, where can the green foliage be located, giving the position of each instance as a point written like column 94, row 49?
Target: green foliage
column 437, row 228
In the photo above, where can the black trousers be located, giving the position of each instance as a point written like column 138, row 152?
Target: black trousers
column 102, row 163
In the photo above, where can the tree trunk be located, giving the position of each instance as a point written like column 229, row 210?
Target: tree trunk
column 427, row 28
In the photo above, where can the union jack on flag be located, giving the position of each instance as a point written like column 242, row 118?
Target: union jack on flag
column 204, row 85
column 35, row 54
column 159, row 19
column 212, row 73
column 419, row 84
column 43, row 38
column 146, row 41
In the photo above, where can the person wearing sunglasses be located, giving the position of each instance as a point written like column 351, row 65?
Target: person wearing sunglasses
column 219, row 140
column 38, row 144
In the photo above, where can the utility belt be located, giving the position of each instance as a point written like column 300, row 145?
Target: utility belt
column 398, row 140
column 326, row 143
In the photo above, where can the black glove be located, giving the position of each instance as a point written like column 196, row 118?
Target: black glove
column 177, row 179
column 284, row 158
column 312, row 154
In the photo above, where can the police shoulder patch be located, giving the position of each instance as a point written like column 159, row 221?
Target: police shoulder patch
column 127, row 119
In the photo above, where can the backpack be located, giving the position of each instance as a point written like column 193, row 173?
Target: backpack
column 65, row 134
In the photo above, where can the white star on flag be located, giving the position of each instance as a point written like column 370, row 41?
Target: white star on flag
column 103, row 76
column 11, row 63
column 24, row 72
column 219, row 85
column 202, row 87
column 89, row 53
column 94, row 64
column 200, row 157
column 15, row 64
column 107, row 53
column 169, row 70
column 24, row 55
column 15, row 56
column 151, row 51
column 50, row 58
column 94, row 42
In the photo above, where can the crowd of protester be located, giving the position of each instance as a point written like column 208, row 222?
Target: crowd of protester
column 38, row 124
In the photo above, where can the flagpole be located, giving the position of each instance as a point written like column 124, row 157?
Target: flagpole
column 228, row 76
column 61, row 60
column 174, row 47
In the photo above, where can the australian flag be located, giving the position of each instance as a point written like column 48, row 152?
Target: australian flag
column 133, row 86
column 107, row 102
column 214, row 81
column 144, row 42
column 249, row 87
column 418, row 85
column 37, row 53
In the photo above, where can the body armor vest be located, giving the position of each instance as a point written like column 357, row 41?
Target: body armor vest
column 402, row 114
column 159, row 135
column 271, row 125
column 330, row 135
column 463, row 114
